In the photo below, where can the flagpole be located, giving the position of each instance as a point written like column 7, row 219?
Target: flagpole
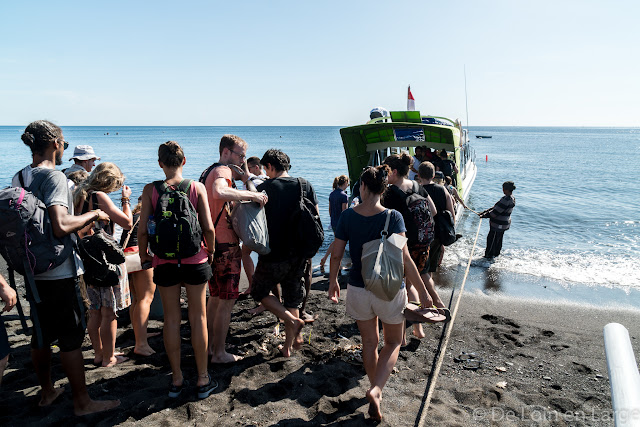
column 466, row 103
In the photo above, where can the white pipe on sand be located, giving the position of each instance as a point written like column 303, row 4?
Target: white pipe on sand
column 623, row 375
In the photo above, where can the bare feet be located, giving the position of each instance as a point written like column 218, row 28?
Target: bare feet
column 374, row 396
column 49, row 398
column 116, row 359
column 308, row 317
column 418, row 332
column 259, row 309
column 226, row 358
column 293, row 339
column 94, row 406
column 144, row 350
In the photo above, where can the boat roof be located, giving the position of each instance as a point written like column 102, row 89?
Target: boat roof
column 403, row 129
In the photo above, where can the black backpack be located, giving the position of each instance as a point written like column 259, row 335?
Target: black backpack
column 417, row 216
column 445, row 230
column 310, row 233
column 27, row 242
column 177, row 232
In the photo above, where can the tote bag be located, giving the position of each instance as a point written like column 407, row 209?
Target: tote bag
column 382, row 264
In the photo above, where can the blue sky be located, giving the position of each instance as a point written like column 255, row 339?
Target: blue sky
column 545, row 63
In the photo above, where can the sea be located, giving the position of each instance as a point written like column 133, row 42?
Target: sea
column 575, row 231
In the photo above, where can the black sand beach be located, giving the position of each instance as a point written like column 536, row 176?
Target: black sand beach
column 550, row 356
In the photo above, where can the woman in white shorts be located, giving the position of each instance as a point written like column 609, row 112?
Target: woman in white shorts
column 357, row 226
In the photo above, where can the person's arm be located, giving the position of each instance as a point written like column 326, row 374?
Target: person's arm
column 244, row 176
column 124, row 217
column 432, row 206
column 8, row 295
column 204, row 218
column 64, row 224
column 449, row 205
column 344, row 206
column 220, row 190
column 336, row 258
column 143, row 234
column 411, row 272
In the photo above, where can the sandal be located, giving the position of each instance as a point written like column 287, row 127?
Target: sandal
column 175, row 390
column 205, row 391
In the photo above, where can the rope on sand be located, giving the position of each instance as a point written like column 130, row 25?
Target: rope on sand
column 442, row 345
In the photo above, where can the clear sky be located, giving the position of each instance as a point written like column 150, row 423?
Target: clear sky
column 544, row 63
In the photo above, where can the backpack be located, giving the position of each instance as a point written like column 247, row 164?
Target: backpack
column 100, row 254
column 310, row 234
column 445, row 228
column 27, row 242
column 177, row 231
column 418, row 218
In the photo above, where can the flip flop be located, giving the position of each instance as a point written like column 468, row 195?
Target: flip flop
column 427, row 316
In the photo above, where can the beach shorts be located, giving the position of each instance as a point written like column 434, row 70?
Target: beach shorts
column 115, row 297
column 227, row 263
column 289, row 274
column 436, row 252
column 59, row 314
column 420, row 256
column 364, row 305
column 4, row 341
column 165, row 275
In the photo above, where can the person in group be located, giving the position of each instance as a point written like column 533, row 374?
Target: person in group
column 395, row 199
column 338, row 201
column 170, row 275
column 59, row 312
column 500, row 220
column 105, row 301
column 9, row 297
column 453, row 192
column 283, row 265
column 223, row 287
column 446, row 166
column 84, row 158
column 417, row 159
column 257, row 176
column 427, row 154
column 358, row 226
column 442, row 201
column 140, row 284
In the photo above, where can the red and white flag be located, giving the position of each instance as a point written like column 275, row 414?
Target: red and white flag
column 411, row 103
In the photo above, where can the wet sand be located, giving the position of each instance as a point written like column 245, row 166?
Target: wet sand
column 551, row 357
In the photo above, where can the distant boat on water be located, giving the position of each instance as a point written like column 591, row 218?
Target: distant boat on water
column 483, row 136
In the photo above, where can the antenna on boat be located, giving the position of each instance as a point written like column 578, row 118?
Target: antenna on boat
column 466, row 103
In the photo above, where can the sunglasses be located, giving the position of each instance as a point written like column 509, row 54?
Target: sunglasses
column 65, row 144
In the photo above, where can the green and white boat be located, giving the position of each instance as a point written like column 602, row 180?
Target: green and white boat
column 369, row 144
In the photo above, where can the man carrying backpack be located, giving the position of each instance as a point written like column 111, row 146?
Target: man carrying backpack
column 223, row 286
column 58, row 315
column 286, row 262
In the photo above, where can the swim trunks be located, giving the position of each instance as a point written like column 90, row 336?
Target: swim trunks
column 227, row 262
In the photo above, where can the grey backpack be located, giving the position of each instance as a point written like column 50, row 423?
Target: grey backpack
column 27, row 241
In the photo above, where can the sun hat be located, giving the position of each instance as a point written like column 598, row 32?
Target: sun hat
column 84, row 152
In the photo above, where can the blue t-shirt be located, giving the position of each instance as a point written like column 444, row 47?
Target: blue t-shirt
column 358, row 230
column 336, row 199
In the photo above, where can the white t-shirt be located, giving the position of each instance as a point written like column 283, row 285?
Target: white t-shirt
column 416, row 165
column 256, row 179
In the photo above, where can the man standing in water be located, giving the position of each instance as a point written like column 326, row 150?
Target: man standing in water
column 500, row 220
column 223, row 286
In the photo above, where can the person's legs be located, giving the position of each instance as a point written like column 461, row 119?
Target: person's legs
column 292, row 323
column 170, row 297
column 73, row 365
column 497, row 247
column 41, row 359
column 491, row 241
column 370, row 338
column 308, row 273
column 249, row 268
column 93, row 329
column 386, row 361
column 327, row 255
column 418, row 331
column 221, row 320
column 196, row 295
column 145, row 289
column 108, row 331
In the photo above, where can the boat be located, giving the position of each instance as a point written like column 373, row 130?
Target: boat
column 483, row 136
column 369, row 144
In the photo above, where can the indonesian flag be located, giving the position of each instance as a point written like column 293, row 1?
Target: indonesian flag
column 411, row 103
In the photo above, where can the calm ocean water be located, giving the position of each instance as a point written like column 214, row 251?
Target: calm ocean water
column 576, row 222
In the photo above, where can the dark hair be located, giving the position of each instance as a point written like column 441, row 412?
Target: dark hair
column 339, row 181
column 448, row 180
column 170, row 154
column 253, row 161
column 443, row 154
column 399, row 162
column 375, row 178
column 39, row 135
column 229, row 141
column 277, row 159
column 426, row 170
column 509, row 186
